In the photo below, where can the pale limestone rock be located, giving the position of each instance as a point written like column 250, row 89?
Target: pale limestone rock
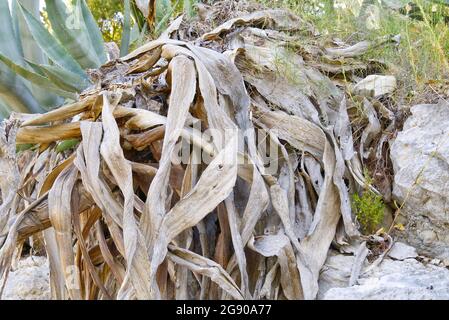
column 401, row 251
column 391, row 280
column 420, row 157
column 30, row 281
column 375, row 85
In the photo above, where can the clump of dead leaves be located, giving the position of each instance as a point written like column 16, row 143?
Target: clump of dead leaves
column 121, row 221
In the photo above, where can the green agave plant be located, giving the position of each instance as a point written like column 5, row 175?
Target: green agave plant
column 43, row 66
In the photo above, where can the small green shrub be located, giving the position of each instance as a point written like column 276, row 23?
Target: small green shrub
column 369, row 210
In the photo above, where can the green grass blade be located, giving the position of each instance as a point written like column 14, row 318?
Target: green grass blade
column 164, row 11
column 126, row 35
column 163, row 21
column 188, row 7
column 25, row 147
column 138, row 16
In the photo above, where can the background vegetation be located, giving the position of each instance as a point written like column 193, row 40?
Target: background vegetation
column 419, row 61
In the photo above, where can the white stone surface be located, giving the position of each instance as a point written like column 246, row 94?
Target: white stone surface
column 420, row 157
column 30, row 281
column 391, row 280
column 401, row 251
column 375, row 85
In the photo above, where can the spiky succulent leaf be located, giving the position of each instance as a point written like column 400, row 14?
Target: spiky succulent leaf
column 50, row 45
column 17, row 96
column 13, row 91
column 70, row 29
column 15, row 20
column 9, row 44
column 35, row 78
column 65, row 79
column 94, row 32
column 31, row 50
column 4, row 110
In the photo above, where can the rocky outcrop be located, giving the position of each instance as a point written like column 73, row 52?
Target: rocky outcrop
column 391, row 280
column 420, row 157
column 401, row 251
column 30, row 281
column 406, row 279
column 375, row 85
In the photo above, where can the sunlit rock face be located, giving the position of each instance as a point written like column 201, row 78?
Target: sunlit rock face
column 29, row 281
column 420, row 156
column 406, row 279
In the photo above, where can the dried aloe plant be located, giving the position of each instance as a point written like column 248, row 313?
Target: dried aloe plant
column 123, row 219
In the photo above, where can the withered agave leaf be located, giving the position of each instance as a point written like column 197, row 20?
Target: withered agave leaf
column 268, row 284
column 228, row 81
column 300, row 133
column 343, row 132
column 146, row 61
column 136, row 252
column 372, row 130
column 316, row 245
column 207, row 267
column 60, row 212
column 117, row 269
column 48, row 134
column 360, row 256
column 213, row 187
column 266, row 70
column 173, row 27
column 276, row 19
column 279, row 200
column 269, row 245
column 345, row 203
column 62, row 113
column 183, row 76
column 290, row 277
column 57, row 280
column 88, row 163
column 258, row 201
column 359, row 48
column 139, row 119
column 150, row 46
column 238, row 244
